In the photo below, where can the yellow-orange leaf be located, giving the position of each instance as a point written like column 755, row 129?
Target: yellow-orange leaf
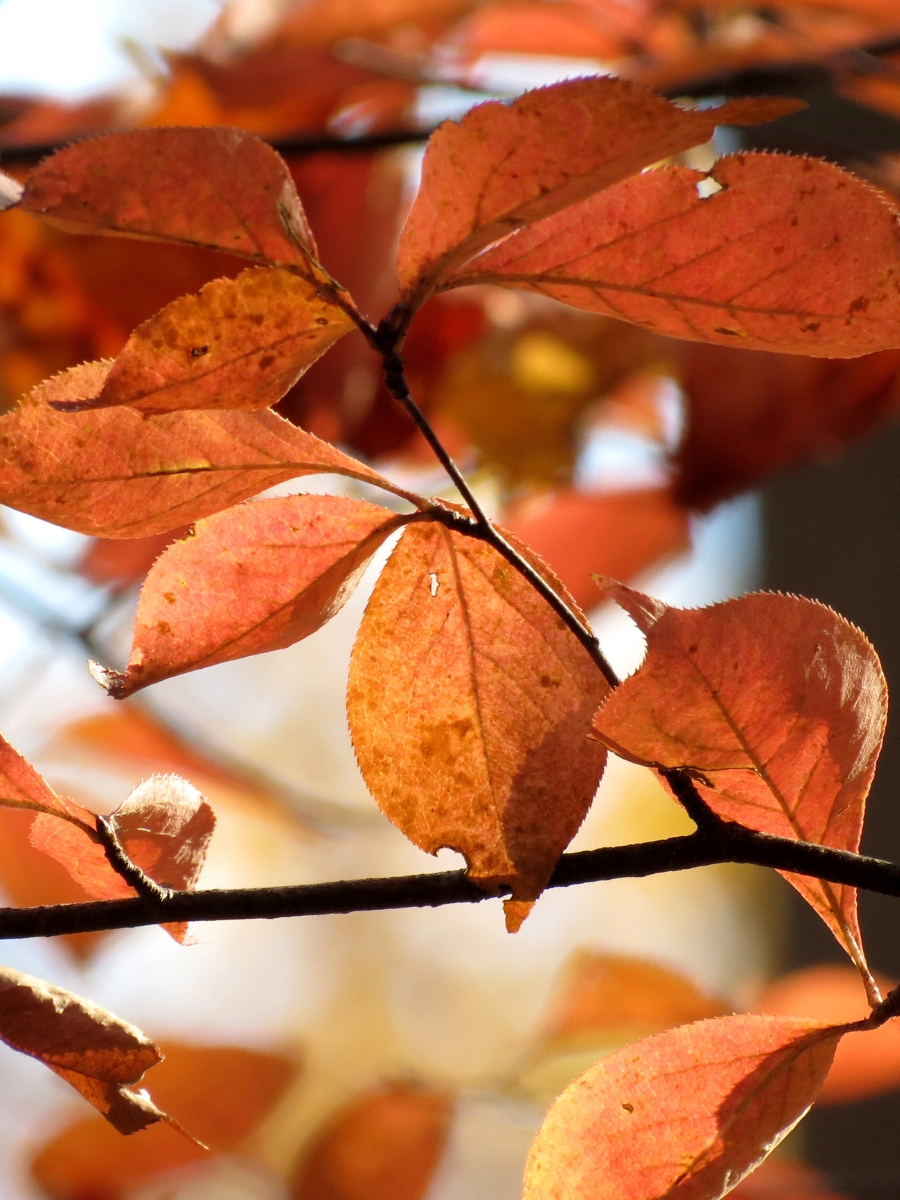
column 505, row 166
column 469, row 704
column 385, row 1145
column 91, row 1049
column 164, row 827
column 792, row 254
column 22, row 787
column 220, row 1093
column 216, row 187
column 83, row 382
column 240, row 343
column 255, row 578
column 685, row 1114
column 118, row 473
column 779, row 702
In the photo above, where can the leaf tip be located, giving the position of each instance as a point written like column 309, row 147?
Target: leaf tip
column 113, row 682
column 516, row 911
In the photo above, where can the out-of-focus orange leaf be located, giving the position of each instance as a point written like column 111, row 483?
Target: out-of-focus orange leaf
column 579, row 533
column 164, row 827
column 324, row 22
column 215, row 187
column 503, row 167
column 865, row 1064
column 469, row 704
column 22, row 787
column 780, row 1179
column 119, row 473
column 241, row 343
column 119, row 563
column 530, row 27
column 94, row 1051
column 731, row 268
column 384, row 1145
column 255, row 578
column 779, row 702
column 220, row 1093
column 752, row 413
column 684, row 1114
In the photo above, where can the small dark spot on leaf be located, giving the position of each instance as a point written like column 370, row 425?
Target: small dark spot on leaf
column 629, row 1108
column 728, row 332
column 169, row 597
column 549, row 681
column 163, row 627
column 812, row 327
column 321, row 320
column 859, row 305
column 266, row 361
column 199, row 351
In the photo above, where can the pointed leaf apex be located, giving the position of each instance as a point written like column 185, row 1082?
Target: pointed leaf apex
column 644, row 610
column 111, row 681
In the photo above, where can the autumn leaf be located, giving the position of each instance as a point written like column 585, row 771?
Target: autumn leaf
column 164, row 827
column 578, row 532
column 469, row 704
column 84, row 381
column 94, row 1051
column 258, row 577
column 866, row 1063
column 779, row 702
column 685, row 1114
column 119, row 473
column 384, row 1145
column 240, row 343
column 216, row 187
column 22, row 787
column 221, row 1093
column 505, row 166
column 791, row 254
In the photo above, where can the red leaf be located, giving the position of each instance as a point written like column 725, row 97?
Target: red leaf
column 792, row 254
column 118, row 473
column 685, row 1114
column 505, row 166
column 779, row 702
column 469, row 705
column 95, row 1052
column 164, row 827
column 214, row 187
column 255, row 578
column 241, row 343
column 22, row 787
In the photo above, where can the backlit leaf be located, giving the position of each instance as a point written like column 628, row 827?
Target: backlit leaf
column 164, row 827
column 94, row 1051
column 216, row 187
column 385, row 1145
column 22, row 787
column 469, row 704
column 240, row 343
column 865, row 1064
column 221, row 1093
column 505, row 166
column 685, row 1114
column 255, row 578
column 779, row 702
column 792, row 254
column 82, row 382
column 118, row 473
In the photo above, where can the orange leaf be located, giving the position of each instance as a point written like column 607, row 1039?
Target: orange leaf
column 385, row 1145
column 685, row 1114
column 255, row 578
column 22, row 787
column 469, row 704
column 578, row 534
column 792, row 254
column 220, row 1092
column 505, row 166
column 164, row 827
column 779, row 702
column 865, row 1064
column 76, row 383
column 214, row 187
column 241, row 343
column 87, row 1046
column 119, row 473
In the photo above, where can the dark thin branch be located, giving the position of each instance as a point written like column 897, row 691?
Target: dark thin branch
column 726, row 843
column 146, row 887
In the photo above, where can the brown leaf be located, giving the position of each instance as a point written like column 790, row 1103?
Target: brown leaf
column 779, row 702
column 241, row 343
column 219, row 1092
column 385, row 1145
column 258, row 577
column 578, row 533
column 792, row 254
column 685, row 1114
column 94, row 1051
column 119, row 473
column 469, row 705
column 215, row 187
column 164, row 827
column 505, row 166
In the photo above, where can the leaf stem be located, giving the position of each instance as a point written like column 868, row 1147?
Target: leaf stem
column 146, row 888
